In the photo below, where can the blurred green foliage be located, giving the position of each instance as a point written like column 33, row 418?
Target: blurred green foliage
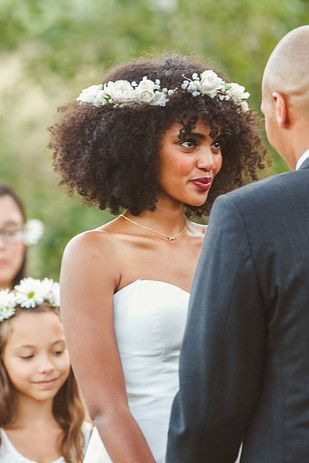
column 50, row 50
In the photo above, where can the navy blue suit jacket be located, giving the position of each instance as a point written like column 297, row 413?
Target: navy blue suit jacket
column 244, row 367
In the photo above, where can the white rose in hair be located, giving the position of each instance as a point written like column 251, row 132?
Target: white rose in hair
column 244, row 106
column 101, row 99
column 237, row 92
column 194, row 86
column 93, row 95
column 211, row 83
column 120, row 91
column 161, row 99
column 145, row 91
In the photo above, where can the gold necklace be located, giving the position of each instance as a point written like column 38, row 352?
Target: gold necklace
column 170, row 238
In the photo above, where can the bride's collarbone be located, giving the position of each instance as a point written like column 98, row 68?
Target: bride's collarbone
column 154, row 258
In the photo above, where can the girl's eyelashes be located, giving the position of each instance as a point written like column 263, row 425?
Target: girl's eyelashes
column 57, row 353
column 28, row 357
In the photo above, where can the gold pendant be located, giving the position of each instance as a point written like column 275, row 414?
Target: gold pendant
column 172, row 238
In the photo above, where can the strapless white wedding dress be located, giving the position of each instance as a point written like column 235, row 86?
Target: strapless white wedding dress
column 150, row 318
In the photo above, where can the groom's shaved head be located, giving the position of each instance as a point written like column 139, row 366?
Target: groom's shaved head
column 287, row 70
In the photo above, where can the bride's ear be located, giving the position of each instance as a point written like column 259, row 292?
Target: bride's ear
column 281, row 112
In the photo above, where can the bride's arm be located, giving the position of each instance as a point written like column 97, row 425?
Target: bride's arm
column 89, row 275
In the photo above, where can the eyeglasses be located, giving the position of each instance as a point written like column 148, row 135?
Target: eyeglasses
column 11, row 236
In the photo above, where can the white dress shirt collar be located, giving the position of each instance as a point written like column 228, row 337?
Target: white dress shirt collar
column 302, row 159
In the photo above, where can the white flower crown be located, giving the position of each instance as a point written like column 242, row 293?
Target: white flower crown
column 122, row 92
column 33, row 231
column 29, row 294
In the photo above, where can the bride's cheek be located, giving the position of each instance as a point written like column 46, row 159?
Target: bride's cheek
column 186, row 165
column 219, row 162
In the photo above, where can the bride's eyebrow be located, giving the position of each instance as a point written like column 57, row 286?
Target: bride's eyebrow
column 185, row 135
column 218, row 135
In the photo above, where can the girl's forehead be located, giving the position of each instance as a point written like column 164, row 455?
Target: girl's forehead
column 34, row 329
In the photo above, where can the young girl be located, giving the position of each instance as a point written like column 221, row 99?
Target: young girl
column 41, row 413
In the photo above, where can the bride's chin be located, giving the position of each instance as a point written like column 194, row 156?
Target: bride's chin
column 197, row 202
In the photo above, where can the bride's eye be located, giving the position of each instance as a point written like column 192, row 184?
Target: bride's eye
column 216, row 146
column 187, row 143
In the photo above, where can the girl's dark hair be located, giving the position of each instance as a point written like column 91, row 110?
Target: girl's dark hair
column 111, row 156
column 68, row 409
column 7, row 191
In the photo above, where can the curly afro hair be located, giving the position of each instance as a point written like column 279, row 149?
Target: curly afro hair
column 111, row 156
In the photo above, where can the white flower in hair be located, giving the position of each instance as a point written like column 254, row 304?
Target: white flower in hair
column 46, row 287
column 32, row 232
column 145, row 91
column 244, row 107
column 50, row 291
column 30, row 292
column 123, row 92
column 194, row 87
column 93, row 95
column 237, row 92
column 120, row 92
column 7, row 304
column 53, row 296
column 161, row 98
column 211, row 83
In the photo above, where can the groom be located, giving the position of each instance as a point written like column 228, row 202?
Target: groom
column 244, row 368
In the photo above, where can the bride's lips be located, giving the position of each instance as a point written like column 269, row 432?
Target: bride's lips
column 203, row 183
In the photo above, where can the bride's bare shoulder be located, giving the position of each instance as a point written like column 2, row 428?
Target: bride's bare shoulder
column 98, row 244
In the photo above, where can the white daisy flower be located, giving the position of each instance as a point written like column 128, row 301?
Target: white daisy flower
column 54, row 295
column 7, row 304
column 29, row 293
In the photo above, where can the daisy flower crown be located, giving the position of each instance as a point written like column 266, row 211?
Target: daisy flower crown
column 29, row 294
column 124, row 93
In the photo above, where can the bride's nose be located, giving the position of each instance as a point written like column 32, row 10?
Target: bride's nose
column 206, row 161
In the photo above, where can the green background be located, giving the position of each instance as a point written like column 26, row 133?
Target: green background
column 51, row 50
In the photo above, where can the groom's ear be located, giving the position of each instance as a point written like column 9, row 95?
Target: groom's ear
column 281, row 113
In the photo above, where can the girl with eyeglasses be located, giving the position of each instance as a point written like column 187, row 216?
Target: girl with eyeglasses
column 13, row 251
column 15, row 234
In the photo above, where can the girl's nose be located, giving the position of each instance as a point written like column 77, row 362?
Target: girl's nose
column 45, row 365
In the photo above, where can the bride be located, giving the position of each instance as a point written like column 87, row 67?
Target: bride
column 157, row 141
